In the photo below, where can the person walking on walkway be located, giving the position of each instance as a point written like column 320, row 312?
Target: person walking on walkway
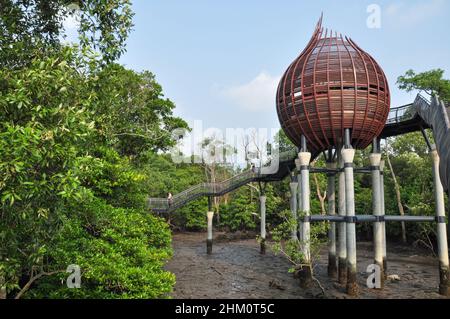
column 169, row 199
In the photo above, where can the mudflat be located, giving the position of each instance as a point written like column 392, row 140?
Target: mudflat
column 236, row 269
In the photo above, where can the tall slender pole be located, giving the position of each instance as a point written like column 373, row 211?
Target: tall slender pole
column 2, row 287
column 331, row 198
column 209, row 215
column 444, row 285
column 383, row 223
column 348, row 155
column 294, row 187
column 375, row 159
column 306, row 271
column 300, row 201
column 262, row 202
column 209, row 240
column 342, row 227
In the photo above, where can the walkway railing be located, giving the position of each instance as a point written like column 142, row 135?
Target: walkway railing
column 214, row 189
column 407, row 112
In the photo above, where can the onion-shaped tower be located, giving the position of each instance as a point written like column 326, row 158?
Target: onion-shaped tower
column 331, row 86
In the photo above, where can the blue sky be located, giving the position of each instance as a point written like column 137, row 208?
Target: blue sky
column 220, row 61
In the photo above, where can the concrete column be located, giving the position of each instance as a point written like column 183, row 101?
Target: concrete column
column 348, row 156
column 331, row 199
column 262, row 203
column 2, row 287
column 294, row 187
column 342, row 227
column 306, row 271
column 444, row 285
column 209, row 239
column 375, row 159
column 383, row 223
column 300, row 202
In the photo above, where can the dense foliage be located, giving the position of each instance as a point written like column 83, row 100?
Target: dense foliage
column 64, row 174
column 26, row 25
column 73, row 128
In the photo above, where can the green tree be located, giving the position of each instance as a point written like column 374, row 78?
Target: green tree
column 121, row 253
column 26, row 25
column 133, row 115
column 431, row 82
column 241, row 212
column 61, row 180
column 43, row 125
column 283, row 142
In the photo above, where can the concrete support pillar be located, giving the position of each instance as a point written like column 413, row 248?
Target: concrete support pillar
column 375, row 159
column 294, row 192
column 383, row 223
column 348, row 156
column 209, row 239
column 331, row 199
column 342, row 227
column 2, row 287
column 299, row 201
column 262, row 203
column 305, row 274
column 444, row 284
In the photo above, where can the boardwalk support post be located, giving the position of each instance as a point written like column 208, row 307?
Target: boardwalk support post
column 299, row 201
column 444, row 285
column 331, row 198
column 262, row 202
column 305, row 273
column 375, row 159
column 348, row 154
column 383, row 223
column 342, row 228
column 209, row 239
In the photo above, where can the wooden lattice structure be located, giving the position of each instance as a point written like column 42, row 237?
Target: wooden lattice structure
column 332, row 85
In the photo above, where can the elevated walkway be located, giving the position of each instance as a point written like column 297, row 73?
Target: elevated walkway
column 422, row 113
column 285, row 165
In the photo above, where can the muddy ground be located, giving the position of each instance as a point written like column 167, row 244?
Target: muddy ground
column 237, row 270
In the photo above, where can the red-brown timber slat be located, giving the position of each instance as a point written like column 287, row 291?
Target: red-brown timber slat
column 331, row 86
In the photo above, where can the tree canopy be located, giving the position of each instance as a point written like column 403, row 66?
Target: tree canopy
column 25, row 25
column 431, row 82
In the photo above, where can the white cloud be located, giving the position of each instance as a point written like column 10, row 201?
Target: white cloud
column 255, row 95
column 407, row 14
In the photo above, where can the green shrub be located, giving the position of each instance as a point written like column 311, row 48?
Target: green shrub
column 121, row 253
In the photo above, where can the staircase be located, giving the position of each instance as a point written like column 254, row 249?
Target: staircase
column 265, row 174
column 436, row 114
column 424, row 113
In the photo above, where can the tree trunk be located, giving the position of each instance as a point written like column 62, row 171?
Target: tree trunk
column 397, row 192
column 321, row 197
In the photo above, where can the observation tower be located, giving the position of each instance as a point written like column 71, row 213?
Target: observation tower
column 331, row 86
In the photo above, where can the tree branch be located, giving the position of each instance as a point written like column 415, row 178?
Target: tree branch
column 397, row 192
column 33, row 279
